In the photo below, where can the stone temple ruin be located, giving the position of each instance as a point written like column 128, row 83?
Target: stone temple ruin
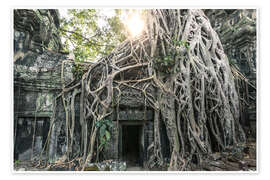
column 37, row 71
column 38, row 59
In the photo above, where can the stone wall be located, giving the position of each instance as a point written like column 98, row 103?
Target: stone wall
column 36, row 30
column 36, row 72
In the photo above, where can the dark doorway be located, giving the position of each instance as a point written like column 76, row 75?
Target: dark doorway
column 24, row 136
column 132, row 145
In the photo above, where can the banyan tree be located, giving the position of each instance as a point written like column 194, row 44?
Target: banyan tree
column 179, row 67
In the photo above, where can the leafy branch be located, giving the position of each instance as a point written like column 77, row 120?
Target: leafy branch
column 104, row 132
column 89, row 40
column 166, row 63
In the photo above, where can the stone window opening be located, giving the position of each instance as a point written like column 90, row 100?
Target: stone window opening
column 24, row 137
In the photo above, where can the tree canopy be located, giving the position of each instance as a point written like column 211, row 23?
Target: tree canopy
column 89, row 34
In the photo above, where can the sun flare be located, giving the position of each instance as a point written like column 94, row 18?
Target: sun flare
column 135, row 24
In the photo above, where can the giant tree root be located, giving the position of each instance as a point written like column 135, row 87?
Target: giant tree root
column 179, row 65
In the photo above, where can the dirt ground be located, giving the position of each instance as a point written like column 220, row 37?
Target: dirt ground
column 232, row 160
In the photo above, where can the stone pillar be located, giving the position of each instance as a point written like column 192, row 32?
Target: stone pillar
column 53, row 143
column 38, row 138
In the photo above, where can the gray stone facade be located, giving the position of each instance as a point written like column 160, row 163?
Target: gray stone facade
column 36, row 70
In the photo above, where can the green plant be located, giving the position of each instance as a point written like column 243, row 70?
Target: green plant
column 166, row 64
column 181, row 43
column 17, row 162
column 78, row 70
column 104, row 133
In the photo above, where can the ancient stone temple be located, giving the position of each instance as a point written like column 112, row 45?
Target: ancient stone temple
column 37, row 81
column 42, row 70
column 37, row 62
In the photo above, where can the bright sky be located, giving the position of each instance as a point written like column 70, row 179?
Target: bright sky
column 63, row 13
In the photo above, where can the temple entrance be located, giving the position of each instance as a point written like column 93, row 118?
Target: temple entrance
column 132, row 144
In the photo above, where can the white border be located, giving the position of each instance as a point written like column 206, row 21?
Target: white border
column 264, row 92
column 142, row 172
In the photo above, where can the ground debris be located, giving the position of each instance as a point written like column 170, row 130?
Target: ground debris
column 223, row 161
column 231, row 160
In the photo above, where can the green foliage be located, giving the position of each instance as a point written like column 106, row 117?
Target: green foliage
column 166, row 64
column 86, row 38
column 78, row 70
column 116, row 27
column 104, row 133
column 180, row 43
column 17, row 162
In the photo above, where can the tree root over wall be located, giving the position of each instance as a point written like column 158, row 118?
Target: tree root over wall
column 179, row 65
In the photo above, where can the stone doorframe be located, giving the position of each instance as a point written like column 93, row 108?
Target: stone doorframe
column 141, row 134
